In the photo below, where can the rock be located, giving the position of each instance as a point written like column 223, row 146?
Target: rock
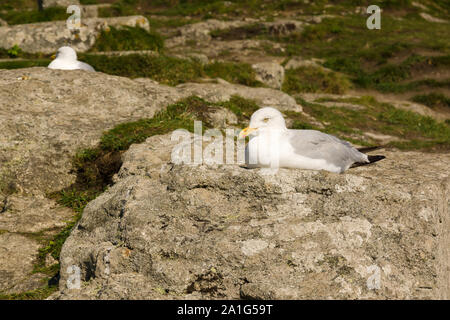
column 200, row 31
column 24, row 214
column 167, row 231
column 47, row 115
column 269, row 73
column 47, row 37
column 3, row 23
column 203, row 59
column 59, row 3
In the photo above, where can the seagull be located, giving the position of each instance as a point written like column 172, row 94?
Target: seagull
column 66, row 59
column 273, row 145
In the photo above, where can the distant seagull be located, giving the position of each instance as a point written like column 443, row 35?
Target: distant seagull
column 66, row 59
column 271, row 142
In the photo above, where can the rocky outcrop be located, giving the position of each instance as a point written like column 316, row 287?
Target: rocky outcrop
column 223, row 91
column 47, row 37
column 167, row 231
column 47, row 115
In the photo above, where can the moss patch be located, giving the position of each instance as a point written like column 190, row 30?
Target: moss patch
column 314, row 79
column 128, row 38
column 24, row 63
column 241, row 73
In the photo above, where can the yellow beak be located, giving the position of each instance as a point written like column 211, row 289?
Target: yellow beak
column 245, row 132
column 53, row 56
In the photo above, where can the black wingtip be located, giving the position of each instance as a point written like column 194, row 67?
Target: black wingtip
column 373, row 159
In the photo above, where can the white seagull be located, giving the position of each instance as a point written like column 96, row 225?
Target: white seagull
column 66, row 59
column 273, row 145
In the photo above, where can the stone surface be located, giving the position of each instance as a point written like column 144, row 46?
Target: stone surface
column 297, row 62
column 47, row 37
column 430, row 18
column 47, row 115
column 3, row 23
column 269, row 73
column 187, row 232
column 201, row 31
column 59, row 3
column 91, row 11
column 223, row 92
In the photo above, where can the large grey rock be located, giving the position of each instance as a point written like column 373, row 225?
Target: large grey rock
column 47, row 37
column 188, row 232
column 17, row 254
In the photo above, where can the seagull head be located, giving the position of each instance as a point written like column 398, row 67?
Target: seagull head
column 66, row 53
column 267, row 118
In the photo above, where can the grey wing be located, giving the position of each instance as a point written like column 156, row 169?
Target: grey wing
column 85, row 66
column 318, row 145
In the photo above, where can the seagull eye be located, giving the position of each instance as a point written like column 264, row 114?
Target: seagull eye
column 266, row 119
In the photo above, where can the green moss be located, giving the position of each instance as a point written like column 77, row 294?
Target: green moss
column 242, row 108
column 314, row 79
column 415, row 131
column 128, row 38
column 241, row 73
column 156, row 23
column 164, row 69
column 433, row 100
column 32, row 16
column 24, row 64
